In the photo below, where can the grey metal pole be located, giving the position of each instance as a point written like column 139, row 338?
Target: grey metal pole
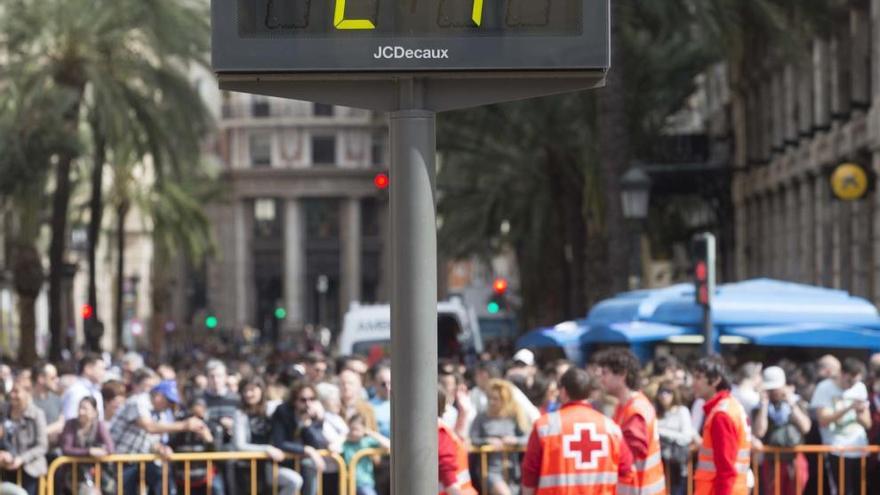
column 413, row 304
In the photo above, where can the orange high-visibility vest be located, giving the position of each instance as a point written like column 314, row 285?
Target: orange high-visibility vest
column 704, row 475
column 463, row 474
column 648, row 475
column 580, row 452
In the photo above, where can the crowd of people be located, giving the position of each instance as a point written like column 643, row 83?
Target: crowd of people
column 308, row 404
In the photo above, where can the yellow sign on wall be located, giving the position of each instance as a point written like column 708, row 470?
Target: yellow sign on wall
column 849, row 181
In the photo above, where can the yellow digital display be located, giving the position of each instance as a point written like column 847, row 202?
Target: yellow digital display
column 313, row 18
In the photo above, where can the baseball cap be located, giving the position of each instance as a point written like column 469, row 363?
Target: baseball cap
column 525, row 357
column 168, row 388
column 774, row 378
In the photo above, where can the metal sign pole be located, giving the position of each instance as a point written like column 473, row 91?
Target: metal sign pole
column 710, row 336
column 414, row 297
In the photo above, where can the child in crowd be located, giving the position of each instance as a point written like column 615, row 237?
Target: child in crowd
column 360, row 438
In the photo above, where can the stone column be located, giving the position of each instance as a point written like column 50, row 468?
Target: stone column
column 824, row 253
column 243, row 220
column 741, row 221
column 351, row 253
column 858, row 240
column 874, row 197
column 792, row 233
column 807, row 237
column 821, row 85
column 294, row 264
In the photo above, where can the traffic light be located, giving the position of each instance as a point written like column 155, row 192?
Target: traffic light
column 381, row 181
column 280, row 313
column 497, row 301
column 87, row 311
column 703, row 250
column 211, row 322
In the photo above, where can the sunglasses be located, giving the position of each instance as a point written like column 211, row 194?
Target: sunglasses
column 307, row 399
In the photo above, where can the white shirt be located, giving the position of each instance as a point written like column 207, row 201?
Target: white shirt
column 80, row 389
column 846, row 431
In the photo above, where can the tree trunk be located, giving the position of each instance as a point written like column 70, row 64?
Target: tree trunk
column 96, row 208
column 60, row 205
column 614, row 154
column 121, row 214
column 28, row 281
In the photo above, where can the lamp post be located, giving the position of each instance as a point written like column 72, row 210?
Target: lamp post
column 635, row 194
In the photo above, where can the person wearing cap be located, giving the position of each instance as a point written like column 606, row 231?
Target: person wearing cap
column 134, row 431
column 781, row 420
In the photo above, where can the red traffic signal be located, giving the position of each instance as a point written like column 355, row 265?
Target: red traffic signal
column 381, row 181
column 700, row 271
column 499, row 285
column 87, row 311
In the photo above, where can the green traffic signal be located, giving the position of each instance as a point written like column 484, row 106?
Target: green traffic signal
column 493, row 307
column 280, row 313
column 211, row 322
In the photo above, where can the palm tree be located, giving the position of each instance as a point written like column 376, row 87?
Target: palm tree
column 177, row 223
column 31, row 132
column 542, row 165
column 128, row 59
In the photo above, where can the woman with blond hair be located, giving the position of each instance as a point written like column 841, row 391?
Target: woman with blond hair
column 504, row 424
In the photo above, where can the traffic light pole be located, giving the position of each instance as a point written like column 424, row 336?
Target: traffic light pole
column 414, row 295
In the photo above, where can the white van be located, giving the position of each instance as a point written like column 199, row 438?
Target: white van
column 366, row 330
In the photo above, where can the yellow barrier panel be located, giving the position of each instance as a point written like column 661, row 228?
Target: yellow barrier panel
column 352, row 466
column 760, row 456
column 484, row 452
column 186, row 459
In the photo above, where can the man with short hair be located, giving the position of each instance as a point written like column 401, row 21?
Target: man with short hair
column 88, row 384
column 316, row 367
column 724, row 457
column 635, row 415
column 45, row 379
column 841, row 406
column 382, row 401
column 828, row 366
column 575, row 450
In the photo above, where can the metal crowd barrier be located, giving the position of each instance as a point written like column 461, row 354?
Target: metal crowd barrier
column 775, row 454
column 348, row 471
column 120, row 460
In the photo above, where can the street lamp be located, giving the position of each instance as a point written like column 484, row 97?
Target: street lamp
column 635, row 194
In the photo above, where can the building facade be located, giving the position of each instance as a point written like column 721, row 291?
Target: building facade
column 301, row 226
column 794, row 117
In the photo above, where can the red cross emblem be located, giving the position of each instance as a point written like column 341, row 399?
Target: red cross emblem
column 585, row 445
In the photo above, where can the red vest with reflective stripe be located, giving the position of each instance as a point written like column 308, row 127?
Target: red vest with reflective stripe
column 704, row 475
column 648, row 476
column 580, row 452
column 463, row 474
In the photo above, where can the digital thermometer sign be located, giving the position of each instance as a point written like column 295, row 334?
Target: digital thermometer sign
column 264, row 36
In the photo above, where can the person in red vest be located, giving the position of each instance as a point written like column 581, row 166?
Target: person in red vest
column 575, row 450
column 455, row 476
column 724, row 457
column 619, row 375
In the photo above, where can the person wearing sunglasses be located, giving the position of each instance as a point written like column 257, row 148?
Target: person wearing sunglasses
column 297, row 426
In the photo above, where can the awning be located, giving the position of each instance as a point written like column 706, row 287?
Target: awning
column 633, row 332
column 817, row 335
column 562, row 335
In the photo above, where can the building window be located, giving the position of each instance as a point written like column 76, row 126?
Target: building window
column 322, row 219
column 261, row 149
column 377, row 149
column 260, row 106
column 266, row 221
column 370, row 217
column 323, row 150
column 323, row 110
